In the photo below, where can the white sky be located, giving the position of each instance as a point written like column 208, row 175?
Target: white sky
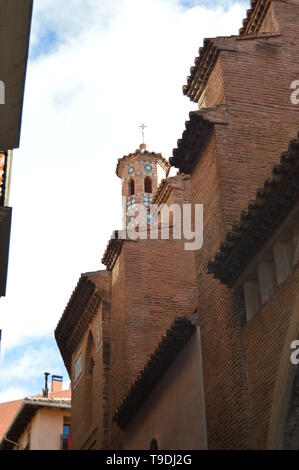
column 113, row 65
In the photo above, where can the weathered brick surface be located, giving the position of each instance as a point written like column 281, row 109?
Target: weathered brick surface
column 92, row 400
column 257, row 74
column 264, row 341
column 262, row 119
column 269, row 24
column 291, row 438
column 152, row 283
column 214, row 91
column 225, row 390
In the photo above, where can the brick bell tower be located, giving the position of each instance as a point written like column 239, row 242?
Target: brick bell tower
column 141, row 172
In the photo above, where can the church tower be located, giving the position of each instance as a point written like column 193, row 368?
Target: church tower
column 141, row 172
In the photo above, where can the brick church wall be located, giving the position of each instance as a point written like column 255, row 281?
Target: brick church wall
column 92, row 433
column 291, row 438
column 269, row 25
column 264, row 340
column 234, row 163
column 154, row 283
column 174, row 427
column 118, row 345
column 214, row 91
column 262, row 119
column 227, row 423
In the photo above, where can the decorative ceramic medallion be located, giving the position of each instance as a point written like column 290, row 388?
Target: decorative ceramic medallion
column 148, row 167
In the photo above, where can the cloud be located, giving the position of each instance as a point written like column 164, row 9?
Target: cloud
column 53, row 24
column 22, row 368
column 97, row 71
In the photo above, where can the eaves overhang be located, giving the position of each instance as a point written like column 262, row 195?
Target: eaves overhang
column 15, row 25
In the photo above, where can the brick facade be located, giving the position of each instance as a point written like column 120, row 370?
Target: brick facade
column 245, row 122
column 89, row 334
column 234, row 162
column 153, row 282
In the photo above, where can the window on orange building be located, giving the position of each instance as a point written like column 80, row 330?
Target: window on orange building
column 65, row 444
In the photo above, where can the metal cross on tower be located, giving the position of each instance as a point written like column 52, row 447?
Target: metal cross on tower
column 142, row 127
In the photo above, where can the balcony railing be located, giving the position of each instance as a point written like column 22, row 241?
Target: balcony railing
column 64, row 442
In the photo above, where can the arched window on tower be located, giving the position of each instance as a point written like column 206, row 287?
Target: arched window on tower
column 148, row 187
column 131, row 187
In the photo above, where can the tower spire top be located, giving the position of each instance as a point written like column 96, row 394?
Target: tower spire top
column 143, row 127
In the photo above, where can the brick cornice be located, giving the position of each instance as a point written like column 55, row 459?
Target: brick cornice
column 167, row 186
column 208, row 54
column 200, row 72
column 138, row 154
column 84, row 321
column 112, row 251
column 198, row 130
column 76, row 317
column 255, row 16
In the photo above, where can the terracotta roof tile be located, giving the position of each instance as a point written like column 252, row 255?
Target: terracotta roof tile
column 48, row 400
column 200, row 72
column 146, row 154
column 73, row 312
column 59, row 397
column 209, row 52
column 112, row 251
column 198, row 129
column 255, row 16
column 167, row 185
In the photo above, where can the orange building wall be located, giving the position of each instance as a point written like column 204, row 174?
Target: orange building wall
column 46, row 429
